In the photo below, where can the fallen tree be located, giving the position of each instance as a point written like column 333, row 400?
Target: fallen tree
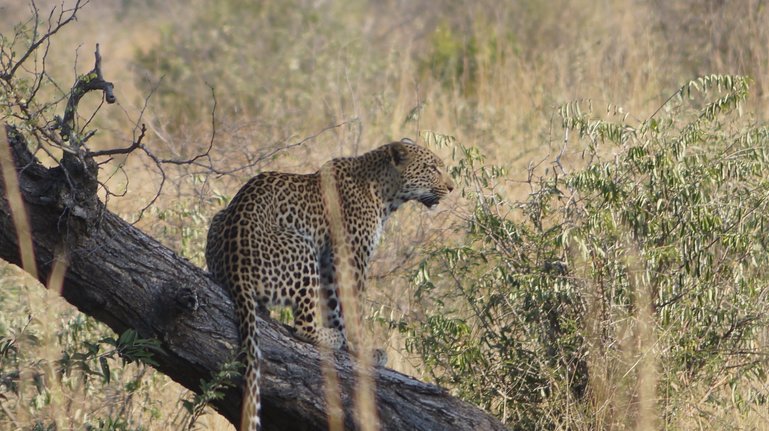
column 52, row 222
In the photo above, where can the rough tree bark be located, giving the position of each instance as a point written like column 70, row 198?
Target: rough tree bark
column 126, row 279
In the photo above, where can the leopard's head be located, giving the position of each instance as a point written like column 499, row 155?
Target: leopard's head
column 423, row 175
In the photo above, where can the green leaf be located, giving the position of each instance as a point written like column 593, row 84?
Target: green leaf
column 105, row 369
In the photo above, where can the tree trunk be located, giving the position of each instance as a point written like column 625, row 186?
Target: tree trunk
column 126, row 279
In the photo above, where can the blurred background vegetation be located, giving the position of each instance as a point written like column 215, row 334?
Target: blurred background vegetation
column 600, row 268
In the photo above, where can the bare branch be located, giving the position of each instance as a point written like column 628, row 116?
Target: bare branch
column 93, row 80
column 159, row 165
column 274, row 151
column 52, row 30
column 136, row 144
column 207, row 153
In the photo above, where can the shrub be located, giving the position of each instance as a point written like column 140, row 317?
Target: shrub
column 615, row 287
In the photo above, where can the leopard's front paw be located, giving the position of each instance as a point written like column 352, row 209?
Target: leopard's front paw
column 378, row 356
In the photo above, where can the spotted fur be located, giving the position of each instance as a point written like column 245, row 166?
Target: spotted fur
column 272, row 246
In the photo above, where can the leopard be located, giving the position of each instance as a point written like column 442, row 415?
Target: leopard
column 273, row 244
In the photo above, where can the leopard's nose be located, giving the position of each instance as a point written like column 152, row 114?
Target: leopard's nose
column 449, row 184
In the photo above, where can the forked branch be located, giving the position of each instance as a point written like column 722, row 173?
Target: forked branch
column 93, row 80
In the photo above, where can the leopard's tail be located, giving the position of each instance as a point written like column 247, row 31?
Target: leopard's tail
column 252, row 404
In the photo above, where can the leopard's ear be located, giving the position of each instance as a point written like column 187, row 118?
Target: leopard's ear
column 399, row 152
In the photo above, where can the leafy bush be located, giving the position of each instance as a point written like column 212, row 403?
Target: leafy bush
column 66, row 373
column 615, row 287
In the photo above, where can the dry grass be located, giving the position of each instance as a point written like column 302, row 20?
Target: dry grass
column 372, row 70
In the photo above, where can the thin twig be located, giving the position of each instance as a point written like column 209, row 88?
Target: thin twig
column 136, row 144
column 51, row 31
column 206, row 153
column 274, row 151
